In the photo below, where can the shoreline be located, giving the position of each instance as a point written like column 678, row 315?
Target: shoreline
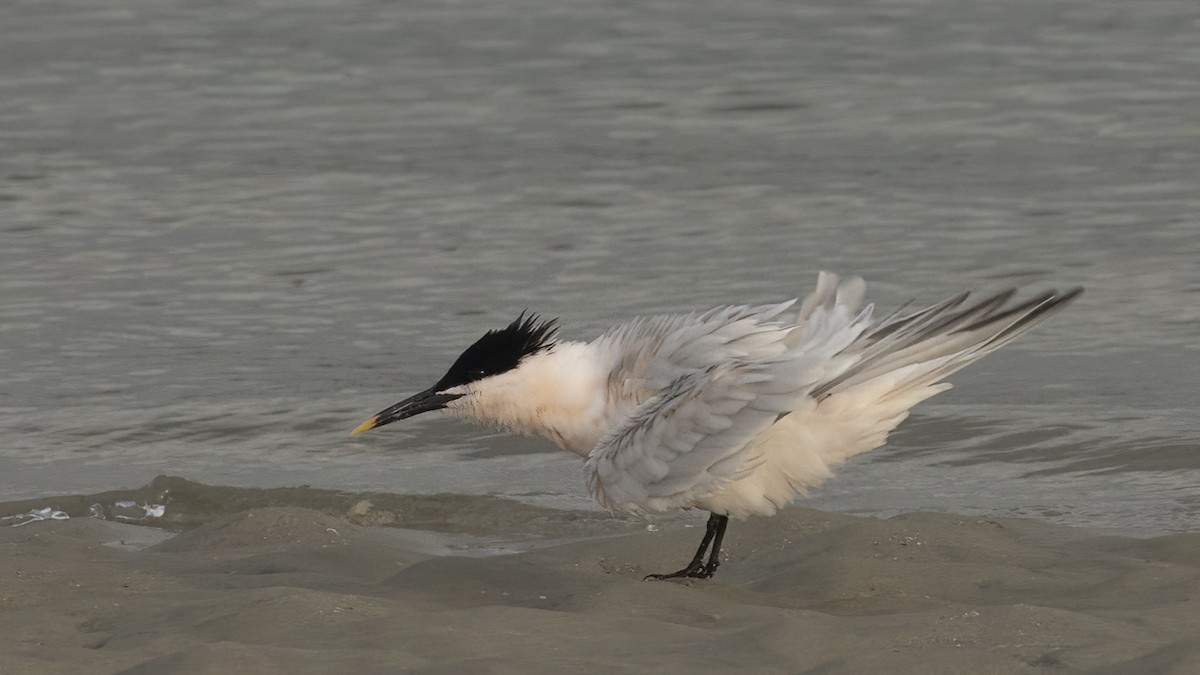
column 488, row 585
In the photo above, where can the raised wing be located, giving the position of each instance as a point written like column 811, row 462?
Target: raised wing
column 651, row 353
column 734, row 376
column 895, row 364
column 754, row 428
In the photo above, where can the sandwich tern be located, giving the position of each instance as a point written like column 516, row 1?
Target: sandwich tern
column 736, row 410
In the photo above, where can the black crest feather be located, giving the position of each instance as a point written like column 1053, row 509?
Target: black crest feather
column 500, row 350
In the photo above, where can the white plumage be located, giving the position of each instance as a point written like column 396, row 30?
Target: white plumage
column 736, row 410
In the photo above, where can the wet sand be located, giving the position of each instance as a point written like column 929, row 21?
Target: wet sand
column 477, row 584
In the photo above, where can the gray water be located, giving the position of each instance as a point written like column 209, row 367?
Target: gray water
column 231, row 231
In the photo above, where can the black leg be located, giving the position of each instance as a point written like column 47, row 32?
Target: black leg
column 714, row 532
column 714, row 560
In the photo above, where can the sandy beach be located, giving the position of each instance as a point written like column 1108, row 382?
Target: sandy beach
column 479, row 584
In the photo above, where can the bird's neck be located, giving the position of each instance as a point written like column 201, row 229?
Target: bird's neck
column 560, row 394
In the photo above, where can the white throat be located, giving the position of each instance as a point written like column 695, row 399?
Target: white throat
column 559, row 394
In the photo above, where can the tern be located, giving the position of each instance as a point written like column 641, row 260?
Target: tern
column 737, row 410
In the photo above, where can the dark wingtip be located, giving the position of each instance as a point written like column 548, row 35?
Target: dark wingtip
column 1034, row 308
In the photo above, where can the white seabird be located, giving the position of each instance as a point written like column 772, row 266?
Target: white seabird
column 736, row 410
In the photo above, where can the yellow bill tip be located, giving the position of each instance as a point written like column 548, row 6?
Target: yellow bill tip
column 365, row 426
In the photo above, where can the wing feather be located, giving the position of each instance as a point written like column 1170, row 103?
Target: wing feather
column 673, row 446
column 739, row 409
column 693, row 435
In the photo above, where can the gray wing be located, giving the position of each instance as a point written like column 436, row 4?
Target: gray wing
column 851, row 381
column 650, row 353
column 689, row 439
column 697, row 431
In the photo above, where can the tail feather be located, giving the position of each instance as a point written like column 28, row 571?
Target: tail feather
column 943, row 337
column 880, row 371
column 894, row 323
